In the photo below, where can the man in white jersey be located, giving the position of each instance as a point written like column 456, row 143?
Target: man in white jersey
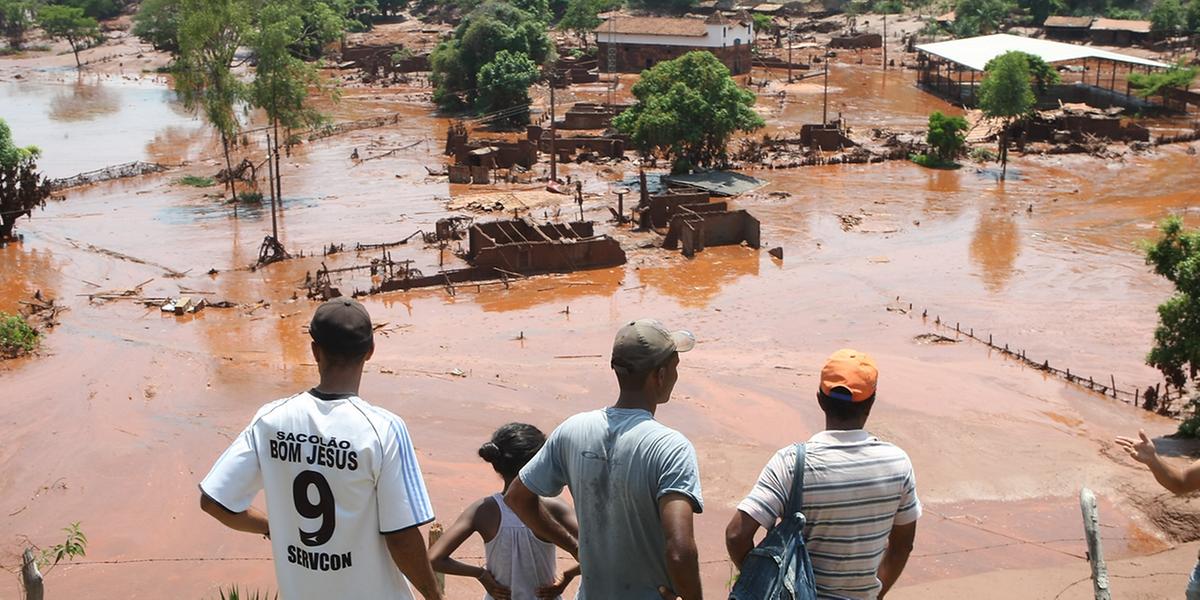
column 345, row 497
column 860, row 497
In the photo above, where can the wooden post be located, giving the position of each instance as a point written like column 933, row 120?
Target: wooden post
column 435, row 533
column 31, row 578
column 1091, row 527
column 1113, row 380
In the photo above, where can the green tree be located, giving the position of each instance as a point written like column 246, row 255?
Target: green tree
column 210, row 33
column 1039, row 10
column 1167, row 17
column 978, row 17
column 504, row 83
column 1006, row 94
column 1176, row 350
column 157, row 23
column 1193, row 16
column 70, row 24
column 16, row 18
column 1042, row 73
column 688, row 109
column 582, row 18
column 282, row 81
column 1158, row 83
column 663, row 5
column 947, row 136
column 22, row 188
column 96, row 9
column 487, row 30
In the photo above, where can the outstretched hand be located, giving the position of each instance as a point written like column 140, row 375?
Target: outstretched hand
column 494, row 588
column 1141, row 450
column 667, row 593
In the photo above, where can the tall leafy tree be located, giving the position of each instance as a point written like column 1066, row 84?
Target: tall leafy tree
column 22, row 188
column 688, row 109
column 1006, row 94
column 281, row 80
column 1167, row 17
column 70, row 24
column 1193, row 16
column 210, row 33
column 1176, row 352
column 504, row 83
column 581, row 18
column 490, row 28
column 16, row 18
column 976, row 17
column 157, row 23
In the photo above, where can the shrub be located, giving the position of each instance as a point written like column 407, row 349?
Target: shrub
column 17, row 337
column 197, row 181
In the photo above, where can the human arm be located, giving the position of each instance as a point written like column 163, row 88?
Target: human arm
column 565, row 515
column 900, row 545
column 683, row 565
column 1176, row 479
column 407, row 548
column 250, row 520
column 535, row 514
column 468, row 523
column 739, row 537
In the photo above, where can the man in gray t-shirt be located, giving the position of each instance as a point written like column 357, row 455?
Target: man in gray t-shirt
column 635, row 481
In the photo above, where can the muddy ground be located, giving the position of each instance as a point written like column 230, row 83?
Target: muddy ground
column 123, row 411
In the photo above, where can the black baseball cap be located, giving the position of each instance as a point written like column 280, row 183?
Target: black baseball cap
column 342, row 326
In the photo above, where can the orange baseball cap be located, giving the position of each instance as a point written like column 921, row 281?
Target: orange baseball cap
column 849, row 375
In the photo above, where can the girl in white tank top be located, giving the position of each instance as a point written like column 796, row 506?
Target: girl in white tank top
column 518, row 565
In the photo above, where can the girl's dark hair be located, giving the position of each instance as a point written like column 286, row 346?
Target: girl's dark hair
column 511, row 447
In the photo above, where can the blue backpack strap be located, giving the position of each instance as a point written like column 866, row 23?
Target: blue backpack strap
column 796, row 498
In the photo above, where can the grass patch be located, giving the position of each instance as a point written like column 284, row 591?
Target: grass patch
column 17, row 337
column 933, row 162
column 255, row 197
column 233, row 593
column 197, row 181
column 982, row 155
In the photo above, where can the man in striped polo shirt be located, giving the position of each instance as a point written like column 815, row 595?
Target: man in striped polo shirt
column 860, row 496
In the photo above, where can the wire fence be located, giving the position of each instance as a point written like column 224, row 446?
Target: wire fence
column 1131, row 394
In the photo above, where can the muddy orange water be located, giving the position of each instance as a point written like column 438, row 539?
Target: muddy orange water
column 117, row 419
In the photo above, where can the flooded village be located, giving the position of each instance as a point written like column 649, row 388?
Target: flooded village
column 499, row 235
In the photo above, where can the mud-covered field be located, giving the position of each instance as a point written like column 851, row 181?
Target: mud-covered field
column 123, row 410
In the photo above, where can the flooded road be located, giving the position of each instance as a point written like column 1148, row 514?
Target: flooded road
column 90, row 124
column 127, row 408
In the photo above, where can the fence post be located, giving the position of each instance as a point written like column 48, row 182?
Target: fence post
column 435, row 533
column 1091, row 527
column 31, row 579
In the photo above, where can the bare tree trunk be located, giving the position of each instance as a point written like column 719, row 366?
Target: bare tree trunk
column 278, row 174
column 75, row 49
column 229, row 173
column 1004, row 152
column 31, row 579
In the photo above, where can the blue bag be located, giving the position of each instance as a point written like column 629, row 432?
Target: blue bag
column 779, row 568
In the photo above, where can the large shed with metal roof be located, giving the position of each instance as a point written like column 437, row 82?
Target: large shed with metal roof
column 1099, row 77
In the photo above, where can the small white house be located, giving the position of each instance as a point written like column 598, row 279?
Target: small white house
column 642, row 42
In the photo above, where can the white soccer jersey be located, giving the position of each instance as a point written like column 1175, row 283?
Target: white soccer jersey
column 338, row 473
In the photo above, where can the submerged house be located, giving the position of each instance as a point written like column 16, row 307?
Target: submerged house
column 641, row 42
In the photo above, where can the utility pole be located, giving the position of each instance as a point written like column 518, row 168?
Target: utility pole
column 789, row 39
column 553, row 154
column 825, row 101
column 885, row 65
